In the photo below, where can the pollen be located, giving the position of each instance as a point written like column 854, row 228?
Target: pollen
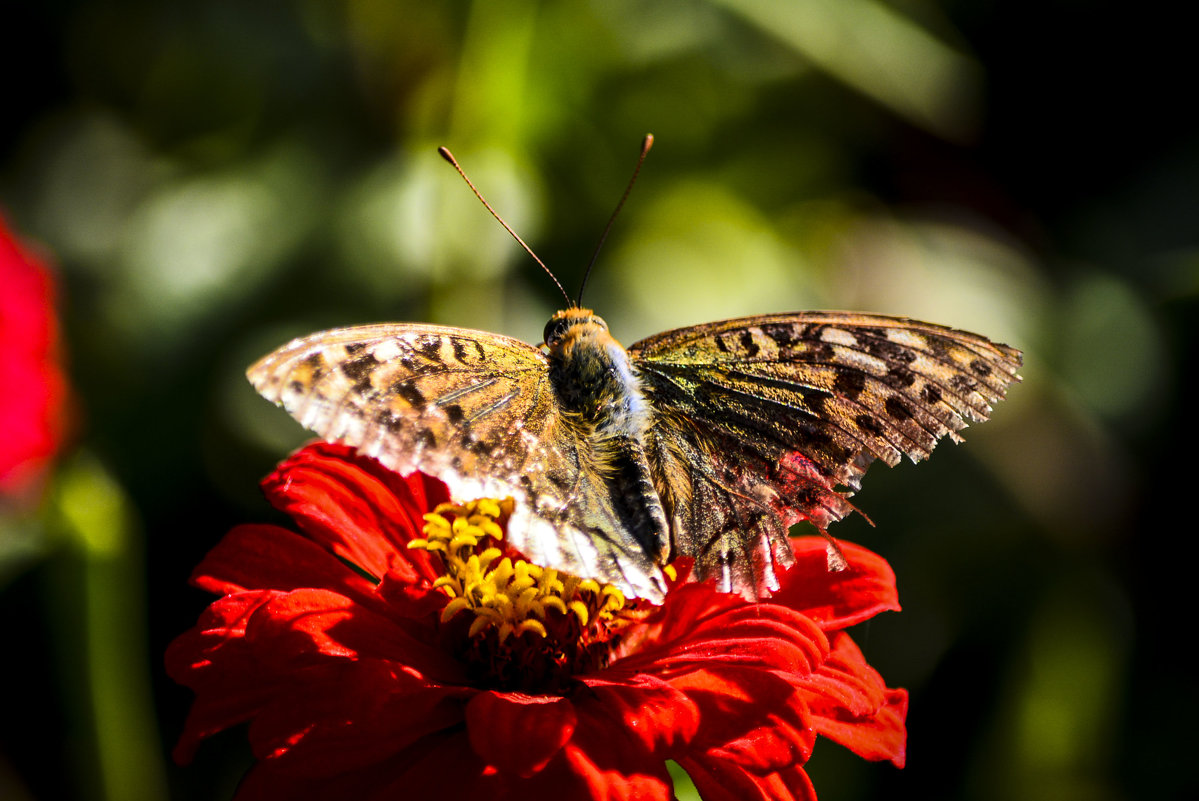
column 518, row 611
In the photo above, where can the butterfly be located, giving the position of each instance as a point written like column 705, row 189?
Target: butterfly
column 706, row 442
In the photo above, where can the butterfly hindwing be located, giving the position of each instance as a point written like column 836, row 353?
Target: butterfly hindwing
column 781, row 410
column 724, row 502
column 478, row 411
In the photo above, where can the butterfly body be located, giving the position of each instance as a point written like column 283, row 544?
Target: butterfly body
column 599, row 393
column 706, row 442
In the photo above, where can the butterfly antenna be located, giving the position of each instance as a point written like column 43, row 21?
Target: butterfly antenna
column 646, row 144
column 448, row 156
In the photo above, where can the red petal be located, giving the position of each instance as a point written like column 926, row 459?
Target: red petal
column 311, row 623
column 658, row 715
column 270, row 780
column 33, row 400
column 719, row 780
column 518, row 733
column 347, row 716
column 752, row 717
column 256, row 648
column 849, row 703
column 737, row 663
column 263, row 557
column 602, row 760
column 697, row 627
column 212, row 661
column 354, row 506
column 614, row 766
column 837, row 600
column 785, row 738
column 601, row 767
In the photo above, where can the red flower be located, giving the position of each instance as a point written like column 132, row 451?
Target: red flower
column 362, row 679
column 31, row 403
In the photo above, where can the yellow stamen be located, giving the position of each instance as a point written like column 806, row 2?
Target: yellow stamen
column 509, row 597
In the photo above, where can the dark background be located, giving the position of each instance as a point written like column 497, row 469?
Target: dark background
column 214, row 177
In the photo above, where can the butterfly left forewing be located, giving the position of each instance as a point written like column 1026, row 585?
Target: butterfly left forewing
column 413, row 396
column 476, row 410
column 790, row 407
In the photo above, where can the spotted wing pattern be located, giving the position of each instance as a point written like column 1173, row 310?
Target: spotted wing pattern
column 478, row 411
column 759, row 420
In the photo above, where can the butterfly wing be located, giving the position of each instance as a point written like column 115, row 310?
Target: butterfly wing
column 761, row 419
column 478, row 411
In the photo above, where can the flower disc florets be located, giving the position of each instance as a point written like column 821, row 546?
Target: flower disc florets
column 519, row 625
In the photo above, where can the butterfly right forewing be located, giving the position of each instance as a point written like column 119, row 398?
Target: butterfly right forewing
column 790, row 407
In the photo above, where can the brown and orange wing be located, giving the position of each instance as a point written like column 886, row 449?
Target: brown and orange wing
column 761, row 420
column 476, row 410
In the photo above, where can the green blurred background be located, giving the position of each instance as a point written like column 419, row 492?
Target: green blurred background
column 213, row 177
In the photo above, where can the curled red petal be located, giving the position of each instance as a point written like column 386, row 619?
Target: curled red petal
column 319, row 624
column 736, row 707
column 363, row 512
column 211, row 660
column 837, row 599
column 850, row 703
column 783, row 737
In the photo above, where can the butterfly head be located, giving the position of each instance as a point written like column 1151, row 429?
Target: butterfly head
column 568, row 326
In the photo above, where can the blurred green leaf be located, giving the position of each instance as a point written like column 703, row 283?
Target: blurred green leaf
column 1112, row 353
column 98, row 520
column 876, row 50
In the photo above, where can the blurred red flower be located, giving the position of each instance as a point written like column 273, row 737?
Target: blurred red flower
column 361, row 678
column 34, row 389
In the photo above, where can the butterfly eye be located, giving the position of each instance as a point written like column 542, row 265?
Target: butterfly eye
column 554, row 330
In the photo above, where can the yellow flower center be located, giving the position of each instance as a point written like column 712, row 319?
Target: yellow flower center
column 529, row 625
